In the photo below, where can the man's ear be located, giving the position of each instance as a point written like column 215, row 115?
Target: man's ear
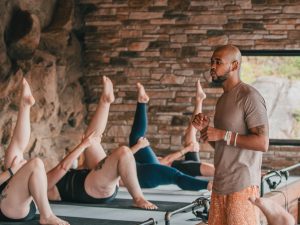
column 235, row 65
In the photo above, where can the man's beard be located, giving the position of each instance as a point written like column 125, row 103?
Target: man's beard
column 218, row 82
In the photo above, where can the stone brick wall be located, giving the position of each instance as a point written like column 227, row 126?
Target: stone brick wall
column 48, row 54
column 166, row 45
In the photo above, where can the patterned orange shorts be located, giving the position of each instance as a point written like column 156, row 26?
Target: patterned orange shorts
column 234, row 209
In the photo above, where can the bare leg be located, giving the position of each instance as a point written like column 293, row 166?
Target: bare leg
column 102, row 181
column 21, row 135
column 190, row 136
column 139, row 129
column 207, row 169
column 54, row 175
column 274, row 213
column 95, row 152
column 29, row 181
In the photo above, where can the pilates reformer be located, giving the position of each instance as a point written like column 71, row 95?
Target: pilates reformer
column 274, row 177
column 199, row 207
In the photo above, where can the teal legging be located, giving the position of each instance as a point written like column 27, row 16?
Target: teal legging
column 149, row 170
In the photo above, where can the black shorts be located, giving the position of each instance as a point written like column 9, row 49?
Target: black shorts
column 189, row 167
column 71, row 188
column 30, row 215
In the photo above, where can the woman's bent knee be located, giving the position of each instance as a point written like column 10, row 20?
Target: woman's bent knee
column 124, row 151
column 36, row 163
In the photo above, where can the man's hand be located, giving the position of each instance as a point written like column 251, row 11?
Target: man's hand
column 212, row 134
column 200, row 121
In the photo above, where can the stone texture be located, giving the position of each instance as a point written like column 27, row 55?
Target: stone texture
column 169, row 52
column 145, row 15
column 172, row 79
column 295, row 34
column 41, row 8
column 214, row 41
column 22, row 46
column 52, row 69
column 209, row 19
column 291, row 9
column 138, row 46
column 130, row 33
column 117, row 131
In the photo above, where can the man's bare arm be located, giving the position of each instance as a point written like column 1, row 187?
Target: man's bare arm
column 257, row 139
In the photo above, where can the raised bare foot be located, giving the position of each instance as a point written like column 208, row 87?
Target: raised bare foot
column 144, row 204
column 52, row 220
column 142, row 95
column 27, row 97
column 200, row 95
column 108, row 91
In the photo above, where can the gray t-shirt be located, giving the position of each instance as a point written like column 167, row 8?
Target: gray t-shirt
column 238, row 110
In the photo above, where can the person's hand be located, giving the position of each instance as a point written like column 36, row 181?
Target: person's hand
column 253, row 199
column 143, row 142
column 210, row 185
column 211, row 134
column 200, row 121
column 17, row 164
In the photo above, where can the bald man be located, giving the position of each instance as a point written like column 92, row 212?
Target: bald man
column 239, row 136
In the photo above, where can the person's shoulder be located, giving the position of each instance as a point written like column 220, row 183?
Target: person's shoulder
column 249, row 91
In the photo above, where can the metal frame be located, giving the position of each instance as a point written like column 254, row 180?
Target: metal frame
column 276, row 173
column 201, row 201
column 266, row 52
column 150, row 221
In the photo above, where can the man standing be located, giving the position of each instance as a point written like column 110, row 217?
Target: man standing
column 239, row 136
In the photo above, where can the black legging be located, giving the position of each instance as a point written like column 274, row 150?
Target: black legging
column 149, row 170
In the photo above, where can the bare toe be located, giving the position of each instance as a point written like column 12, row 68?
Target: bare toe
column 52, row 220
column 144, row 204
